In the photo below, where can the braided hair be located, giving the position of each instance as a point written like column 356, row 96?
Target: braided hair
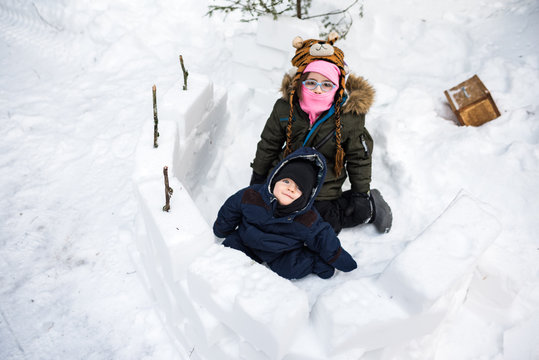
column 307, row 52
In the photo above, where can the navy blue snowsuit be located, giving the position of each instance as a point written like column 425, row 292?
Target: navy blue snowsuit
column 293, row 246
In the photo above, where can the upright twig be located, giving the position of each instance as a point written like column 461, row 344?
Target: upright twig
column 168, row 190
column 185, row 73
column 155, row 121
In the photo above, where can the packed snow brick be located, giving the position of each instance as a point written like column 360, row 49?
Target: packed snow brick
column 279, row 35
column 359, row 315
column 177, row 236
column 198, row 129
column 204, row 327
column 521, row 341
column 248, row 352
column 266, row 310
column 440, row 257
column 266, row 58
column 307, row 346
column 399, row 306
column 226, row 348
column 187, row 108
column 179, row 113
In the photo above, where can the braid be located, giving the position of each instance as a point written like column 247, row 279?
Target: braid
column 296, row 80
column 339, row 154
column 288, row 148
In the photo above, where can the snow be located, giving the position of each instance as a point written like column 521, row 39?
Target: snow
column 91, row 267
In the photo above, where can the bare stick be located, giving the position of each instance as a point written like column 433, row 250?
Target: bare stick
column 168, row 190
column 185, row 73
column 155, row 121
column 332, row 12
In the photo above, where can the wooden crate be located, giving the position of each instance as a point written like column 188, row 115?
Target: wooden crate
column 471, row 102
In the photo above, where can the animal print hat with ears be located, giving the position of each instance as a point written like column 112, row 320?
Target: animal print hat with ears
column 307, row 52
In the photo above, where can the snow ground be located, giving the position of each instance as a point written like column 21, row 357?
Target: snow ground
column 76, row 82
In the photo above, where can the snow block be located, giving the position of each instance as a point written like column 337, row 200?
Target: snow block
column 361, row 315
column 308, row 346
column 254, row 78
column 193, row 154
column 415, row 292
column 441, row 256
column 177, row 236
column 248, row 352
column 263, row 308
column 278, row 34
column 247, row 52
column 226, row 346
column 204, row 327
column 187, row 107
column 520, row 342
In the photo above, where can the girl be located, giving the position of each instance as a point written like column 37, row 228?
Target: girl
column 321, row 110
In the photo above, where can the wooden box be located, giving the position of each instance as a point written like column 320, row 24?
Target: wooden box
column 472, row 103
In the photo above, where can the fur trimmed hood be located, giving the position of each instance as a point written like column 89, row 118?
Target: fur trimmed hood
column 360, row 93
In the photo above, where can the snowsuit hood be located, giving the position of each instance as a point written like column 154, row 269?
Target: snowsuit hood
column 304, row 153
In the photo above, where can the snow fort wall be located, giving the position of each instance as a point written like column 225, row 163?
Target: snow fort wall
column 416, row 291
column 249, row 324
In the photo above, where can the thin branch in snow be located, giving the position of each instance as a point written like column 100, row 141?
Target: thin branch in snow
column 168, row 190
column 185, row 73
column 331, row 13
column 155, row 120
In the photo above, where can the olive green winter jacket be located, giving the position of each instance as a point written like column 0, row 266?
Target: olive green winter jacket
column 355, row 139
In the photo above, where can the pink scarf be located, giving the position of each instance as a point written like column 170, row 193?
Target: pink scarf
column 315, row 104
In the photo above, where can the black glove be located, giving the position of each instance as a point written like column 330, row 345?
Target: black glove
column 359, row 205
column 257, row 179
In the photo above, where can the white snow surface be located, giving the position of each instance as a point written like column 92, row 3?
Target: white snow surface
column 91, row 268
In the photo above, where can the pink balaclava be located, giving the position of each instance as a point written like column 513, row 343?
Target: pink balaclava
column 315, row 104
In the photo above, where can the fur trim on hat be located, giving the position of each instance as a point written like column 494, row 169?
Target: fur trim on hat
column 360, row 93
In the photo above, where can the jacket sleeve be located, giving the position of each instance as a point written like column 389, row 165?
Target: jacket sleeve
column 358, row 149
column 229, row 216
column 327, row 245
column 270, row 145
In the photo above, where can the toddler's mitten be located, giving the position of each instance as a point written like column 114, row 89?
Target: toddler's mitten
column 344, row 262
